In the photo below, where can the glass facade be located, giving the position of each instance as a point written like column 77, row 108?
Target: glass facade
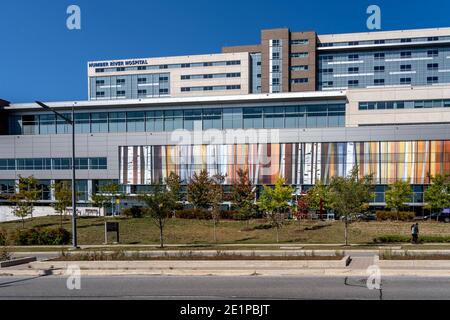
column 41, row 164
column 384, row 67
column 410, row 104
column 277, row 117
column 299, row 163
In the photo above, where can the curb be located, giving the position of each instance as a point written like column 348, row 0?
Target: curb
column 16, row 262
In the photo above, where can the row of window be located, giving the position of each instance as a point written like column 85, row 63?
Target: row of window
column 381, row 55
column 417, row 104
column 141, row 93
column 211, row 88
column 381, row 69
column 308, row 116
column 53, row 164
column 171, row 66
column 122, row 81
column 390, row 41
column 211, row 76
column 380, row 82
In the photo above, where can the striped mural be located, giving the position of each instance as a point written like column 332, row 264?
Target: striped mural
column 298, row 163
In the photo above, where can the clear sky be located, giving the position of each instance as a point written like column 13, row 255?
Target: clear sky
column 40, row 59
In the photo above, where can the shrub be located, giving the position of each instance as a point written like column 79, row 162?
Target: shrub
column 3, row 238
column 135, row 212
column 263, row 227
column 193, row 214
column 402, row 238
column 392, row 215
column 37, row 236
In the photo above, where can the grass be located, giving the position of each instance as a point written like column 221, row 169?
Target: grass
column 219, row 256
column 199, row 233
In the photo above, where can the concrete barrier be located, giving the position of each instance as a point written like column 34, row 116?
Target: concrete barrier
column 16, row 262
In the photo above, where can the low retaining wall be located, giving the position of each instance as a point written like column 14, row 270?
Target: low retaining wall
column 229, row 265
column 6, row 213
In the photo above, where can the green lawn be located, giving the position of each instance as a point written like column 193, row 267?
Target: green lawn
column 198, row 232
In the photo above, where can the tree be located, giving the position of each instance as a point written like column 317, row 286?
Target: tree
column 437, row 195
column 397, row 195
column 216, row 195
column 243, row 195
column 63, row 198
column 199, row 189
column 349, row 194
column 173, row 183
column 25, row 197
column 275, row 203
column 100, row 201
column 112, row 192
column 160, row 202
column 318, row 197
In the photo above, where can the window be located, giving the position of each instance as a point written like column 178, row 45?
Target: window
column 300, row 80
column 379, row 69
column 142, row 80
column 433, row 53
column 353, row 57
column 405, row 80
column 275, row 55
column 275, row 81
column 100, row 82
column 117, row 122
column 353, row 83
column 379, row 56
column 233, row 63
column 185, row 77
column 7, row 164
column 327, row 71
column 98, row 164
column 405, row 67
column 163, row 79
column 136, row 121
column 120, row 69
column 99, row 122
column 208, row 88
column 234, row 75
column 405, row 54
column 163, row 91
column 234, row 87
column 327, row 84
column 299, row 41
column 353, row 70
column 379, row 41
column 299, row 55
column 431, row 80
column 99, row 94
column 99, row 70
column 353, row 43
column 142, row 68
column 142, row 92
column 300, row 68
column 120, row 81
column 433, row 38
column 185, row 65
column 164, row 66
column 433, row 66
column 120, row 93
column 276, row 68
column 173, row 120
column 185, row 89
column 276, row 43
column 327, row 58
column 378, row 82
column 405, row 40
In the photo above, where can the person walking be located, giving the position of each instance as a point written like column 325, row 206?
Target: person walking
column 415, row 233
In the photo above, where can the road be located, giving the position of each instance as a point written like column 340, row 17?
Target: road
column 204, row 288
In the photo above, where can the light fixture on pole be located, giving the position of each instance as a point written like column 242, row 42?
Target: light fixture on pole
column 74, row 196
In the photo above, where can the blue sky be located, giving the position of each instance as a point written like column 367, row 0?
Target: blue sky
column 40, row 59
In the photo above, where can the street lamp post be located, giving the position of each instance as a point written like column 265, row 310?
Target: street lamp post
column 74, row 197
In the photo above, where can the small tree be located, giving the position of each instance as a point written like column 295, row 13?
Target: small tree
column 25, row 197
column 112, row 192
column 397, row 195
column 100, row 201
column 318, row 197
column 63, row 198
column 437, row 195
column 243, row 195
column 349, row 194
column 199, row 189
column 275, row 203
column 216, row 195
column 173, row 183
column 160, row 202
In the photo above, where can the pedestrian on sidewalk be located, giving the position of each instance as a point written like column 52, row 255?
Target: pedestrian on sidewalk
column 415, row 233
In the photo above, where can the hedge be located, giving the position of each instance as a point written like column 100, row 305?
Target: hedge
column 135, row 212
column 402, row 238
column 37, row 236
column 392, row 215
column 3, row 238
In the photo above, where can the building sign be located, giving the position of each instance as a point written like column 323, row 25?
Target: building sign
column 123, row 63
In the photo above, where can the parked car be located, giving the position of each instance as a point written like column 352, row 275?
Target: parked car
column 443, row 216
column 367, row 216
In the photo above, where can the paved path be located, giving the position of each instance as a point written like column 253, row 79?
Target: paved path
column 160, row 287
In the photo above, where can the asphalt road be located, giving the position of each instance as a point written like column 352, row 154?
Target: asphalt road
column 192, row 288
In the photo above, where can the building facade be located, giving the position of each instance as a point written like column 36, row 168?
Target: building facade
column 298, row 105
